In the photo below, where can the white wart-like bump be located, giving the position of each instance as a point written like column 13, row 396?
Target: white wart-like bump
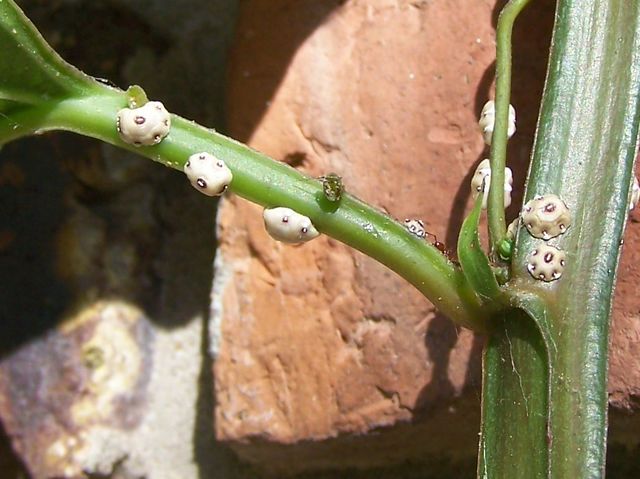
column 208, row 174
column 546, row 217
column 487, row 121
column 481, row 181
column 546, row 262
column 284, row 224
column 144, row 126
column 415, row 227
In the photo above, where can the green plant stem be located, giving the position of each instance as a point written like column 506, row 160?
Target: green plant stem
column 495, row 204
column 474, row 262
column 513, row 441
column 39, row 91
column 270, row 183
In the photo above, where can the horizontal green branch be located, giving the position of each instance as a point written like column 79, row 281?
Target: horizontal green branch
column 268, row 183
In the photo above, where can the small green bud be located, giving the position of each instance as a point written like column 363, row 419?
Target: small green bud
column 505, row 249
column 136, row 97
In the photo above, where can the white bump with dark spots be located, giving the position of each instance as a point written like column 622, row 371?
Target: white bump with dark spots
column 208, row 174
column 546, row 217
column 288, row 226
column 144, row 126
column 415, row 227
column 546, row 262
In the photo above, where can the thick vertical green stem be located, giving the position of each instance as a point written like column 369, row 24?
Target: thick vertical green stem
column 584, row 153
column 495, row 207
column 513, row 442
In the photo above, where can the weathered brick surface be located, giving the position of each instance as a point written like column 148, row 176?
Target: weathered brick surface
column 318, row 341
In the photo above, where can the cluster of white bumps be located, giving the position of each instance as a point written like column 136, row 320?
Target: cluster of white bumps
column 150, row 123
column 546, row 217
column 481, row 181
column 488, row 121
